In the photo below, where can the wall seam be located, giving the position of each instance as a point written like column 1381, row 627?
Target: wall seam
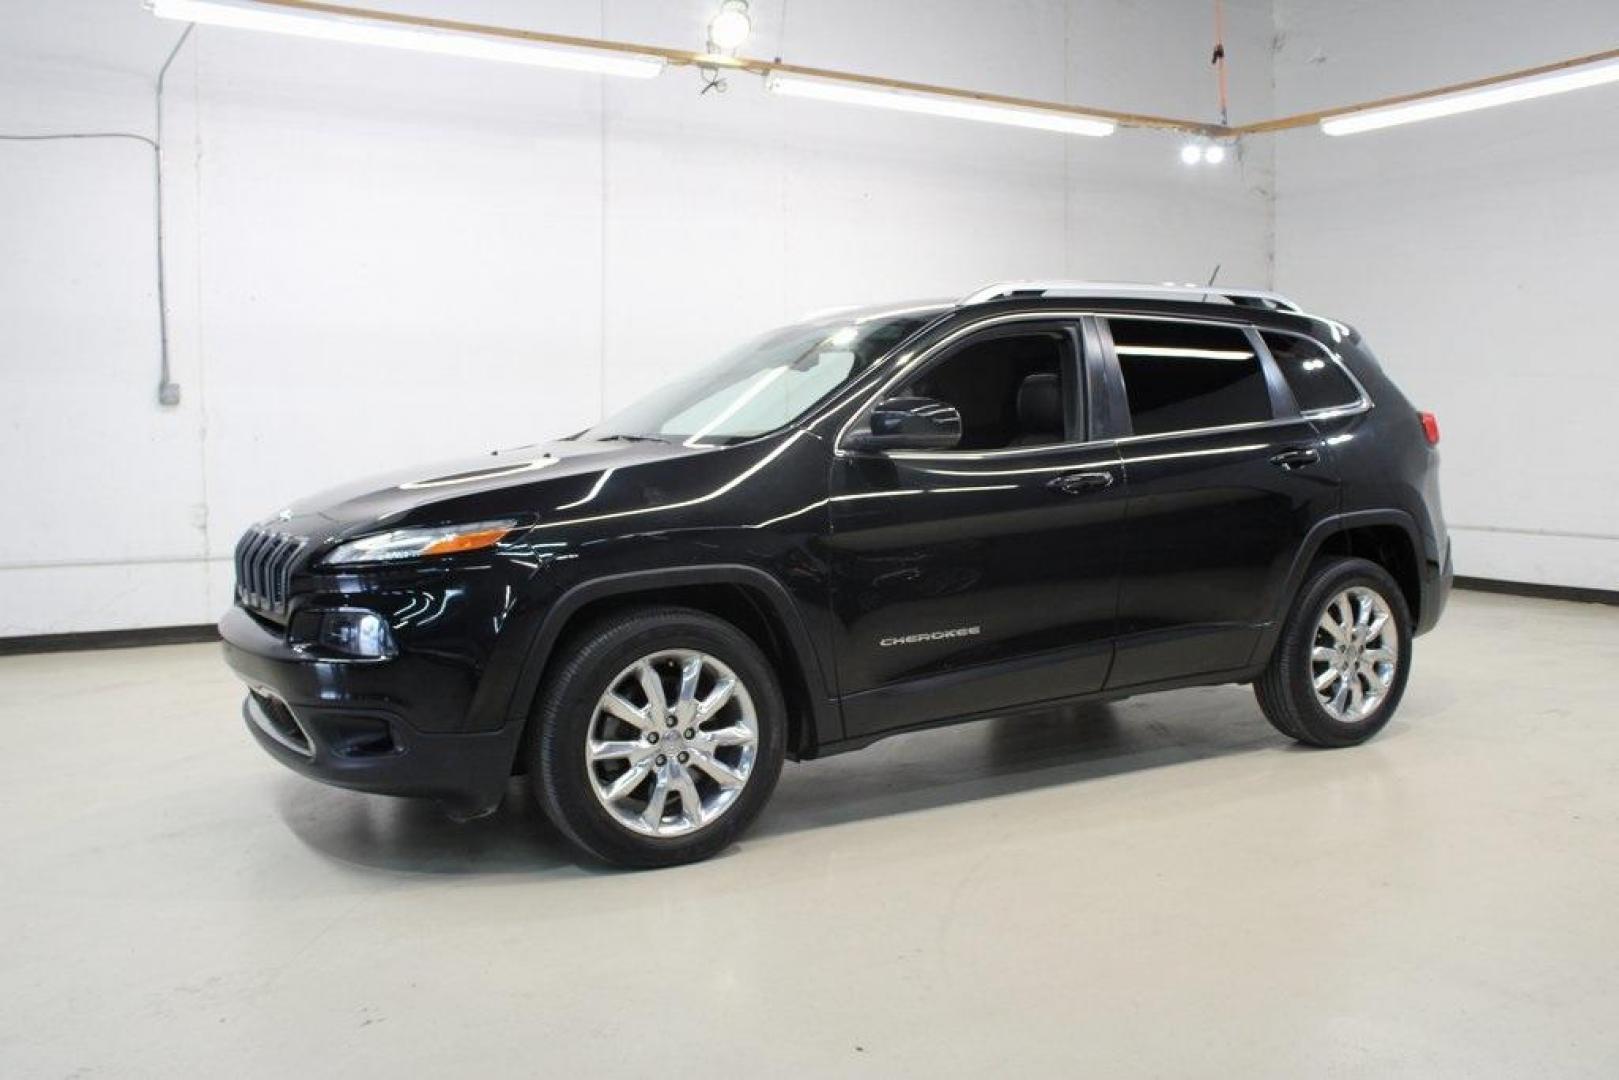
column 601, row 281
column 1067, row 144
column 1271, row 245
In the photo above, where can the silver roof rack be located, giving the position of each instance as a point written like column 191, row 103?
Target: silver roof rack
column 1208, row 294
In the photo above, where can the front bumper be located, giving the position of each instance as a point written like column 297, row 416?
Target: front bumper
column 345, row 724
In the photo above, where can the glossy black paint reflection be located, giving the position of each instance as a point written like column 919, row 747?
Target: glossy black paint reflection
column 989, row 549
column 1214, row 524
column 893, row 589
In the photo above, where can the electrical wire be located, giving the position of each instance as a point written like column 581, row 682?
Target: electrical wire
column 168, row 393
column 82, row 135
column 712, row 80
column 1218, row 59
column 781, row 32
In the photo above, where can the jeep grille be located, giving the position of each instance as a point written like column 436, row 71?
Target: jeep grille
column 264, row 569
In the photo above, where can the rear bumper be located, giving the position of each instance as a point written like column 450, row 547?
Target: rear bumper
column 1436, row 592
column 332, row 722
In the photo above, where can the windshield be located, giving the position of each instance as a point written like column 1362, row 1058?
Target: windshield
column 763, row 385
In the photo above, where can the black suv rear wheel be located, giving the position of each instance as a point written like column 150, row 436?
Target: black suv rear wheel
column 659, row 738
column 1339, row 669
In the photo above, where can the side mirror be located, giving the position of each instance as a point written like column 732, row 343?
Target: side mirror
column 909, row 423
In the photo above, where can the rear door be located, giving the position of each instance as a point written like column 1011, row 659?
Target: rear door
column 1224, row 477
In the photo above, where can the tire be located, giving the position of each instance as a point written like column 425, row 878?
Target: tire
column 1345, row 658
column 699, row 755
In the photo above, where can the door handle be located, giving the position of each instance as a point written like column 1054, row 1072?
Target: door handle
column 1080, row 482
column 1296, row 458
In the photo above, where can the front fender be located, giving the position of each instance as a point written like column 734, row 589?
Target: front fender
column 542, row 641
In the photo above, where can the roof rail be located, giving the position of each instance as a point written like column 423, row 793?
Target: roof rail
column 1219, row 294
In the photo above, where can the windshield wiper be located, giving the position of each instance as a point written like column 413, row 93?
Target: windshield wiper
column 630, row 438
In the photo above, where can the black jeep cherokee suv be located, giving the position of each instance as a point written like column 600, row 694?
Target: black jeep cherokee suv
column 870, row 522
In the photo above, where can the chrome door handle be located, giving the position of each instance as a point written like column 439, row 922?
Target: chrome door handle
column 1080, row 482
column 1296, row 458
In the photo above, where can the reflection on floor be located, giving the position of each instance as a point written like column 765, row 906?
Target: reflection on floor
column 1157, row 886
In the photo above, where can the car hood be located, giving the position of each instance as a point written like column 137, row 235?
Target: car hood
column 503, row 483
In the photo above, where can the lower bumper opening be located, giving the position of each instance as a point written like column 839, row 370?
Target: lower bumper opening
column 357, row 736
column 271, row 716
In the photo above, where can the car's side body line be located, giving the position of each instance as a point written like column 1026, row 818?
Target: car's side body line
column 1209, row 678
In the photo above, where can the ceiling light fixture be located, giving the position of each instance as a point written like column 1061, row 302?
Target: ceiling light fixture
column 959, row 108
column 729, row 27
column 337, row 21
column 1199, row 152
column 335, row 27
column 1483, row 97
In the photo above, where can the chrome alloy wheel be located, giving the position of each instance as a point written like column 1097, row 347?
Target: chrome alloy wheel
column 672, row 743
column 1355, row 654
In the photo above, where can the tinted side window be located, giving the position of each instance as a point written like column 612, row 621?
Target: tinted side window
column 1180, row 376
column 1317, row 381
column 1011, row 389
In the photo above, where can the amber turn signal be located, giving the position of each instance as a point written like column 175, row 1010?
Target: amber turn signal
column 471, row 541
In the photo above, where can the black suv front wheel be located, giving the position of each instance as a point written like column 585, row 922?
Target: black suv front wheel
column 1339, row 669
column 659, row 738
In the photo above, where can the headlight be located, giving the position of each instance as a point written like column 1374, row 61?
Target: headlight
column 419, row 543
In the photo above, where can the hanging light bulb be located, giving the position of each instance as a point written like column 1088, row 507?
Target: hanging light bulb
column 730, row 26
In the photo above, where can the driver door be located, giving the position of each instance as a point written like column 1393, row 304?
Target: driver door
column 986, row 576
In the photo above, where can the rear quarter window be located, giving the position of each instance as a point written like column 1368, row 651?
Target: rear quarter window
column 1317, row 381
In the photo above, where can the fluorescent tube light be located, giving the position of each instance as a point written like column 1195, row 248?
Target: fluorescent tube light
column 252, row 16
column 938, row 105
column 1483, row 97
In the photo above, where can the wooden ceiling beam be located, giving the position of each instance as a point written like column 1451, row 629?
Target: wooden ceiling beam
column 688, row 58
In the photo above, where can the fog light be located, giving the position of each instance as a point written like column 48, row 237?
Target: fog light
column 357, row 633
column 347, row 632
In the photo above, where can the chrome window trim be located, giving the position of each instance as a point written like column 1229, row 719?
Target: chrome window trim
column 911, row 363
column 1246, row 425
column 1337, row 411
column 1365, row 402
column 1122, row 440
column 984, row 455
column 1217, row 318
column 1248, row 330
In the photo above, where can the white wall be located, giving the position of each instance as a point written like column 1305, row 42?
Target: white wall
column 379, row 257
column 1477, row 253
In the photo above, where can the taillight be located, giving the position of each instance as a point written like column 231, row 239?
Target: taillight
column 1430, row 427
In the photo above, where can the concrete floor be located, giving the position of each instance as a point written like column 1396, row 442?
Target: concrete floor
column 1160, row 887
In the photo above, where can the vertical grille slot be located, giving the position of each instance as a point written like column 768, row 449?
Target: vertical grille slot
column 264, row 562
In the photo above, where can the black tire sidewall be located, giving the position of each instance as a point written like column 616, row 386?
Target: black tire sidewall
column 1315, row 725
column 567, row 707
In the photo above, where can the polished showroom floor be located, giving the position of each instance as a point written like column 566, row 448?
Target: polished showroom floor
column 1156, row 888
